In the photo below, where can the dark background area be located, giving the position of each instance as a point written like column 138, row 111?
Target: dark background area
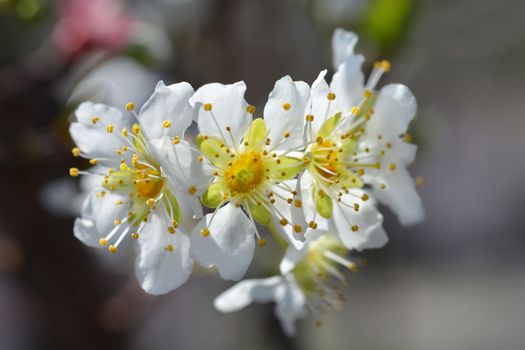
column 456, row 281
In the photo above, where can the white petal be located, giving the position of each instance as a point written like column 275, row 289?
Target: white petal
column 343, row 44
column 291, row 307
column 96, row 143
column 394, row 110
column 400, row 195
column 180, row 163
column 167, row 103
column 246, row 292
column 97, row 216
column 369, row 221
column 228, row 110
column 108, row 115
column 229, row 245
column 280, row 120
column 158, row 270
column 319, row 106
column 291, row 257
column 347, row 82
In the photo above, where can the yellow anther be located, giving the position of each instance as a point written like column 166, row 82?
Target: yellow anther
column 192, row 190
column 356, row 110
column 135, row 235
column 150, row 201
column 171, row 230
column 356, row 206
column 169, row 248
column 364, row 197
column 175, row 140
column 103, row 242
column 207, row 107
column 117, row 222
column 109, row 128
column 250, row 109
column 361, row 172
column 261, row 242
column 76, row 152
column 382, row 186
column 312, row 225
column 119, row 202
column 73, row 172
column 309, row 118
column 174, row 223
column 112, row 249
column 319, row 140
column 166, row 124
column 330, row 96
column 95, row 119
column 420, row 180
column 200, row 158
column 377, row 65
column 93, row 161
column 123, row 166
column 283, row 222
column 407, row 138
column 205, row 232
column 297, row 228
column 125, row 132
column 286, row 134
column 287, row 106
column 298, row 203
column 355, row 228
column 352, row 267
column 135, row 129
column 385, row 65
column 392, row 166
column 367, row 93
column 130, row 106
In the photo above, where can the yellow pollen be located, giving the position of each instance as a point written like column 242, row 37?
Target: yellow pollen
column 150, row 201
column 205, row 232
column 192, row 190
column 166, row 124
column 76, row 152
column 171, row 230
column 382, row 186
column 130, row 106
column 367, row 93
column 175, row 140
column 364, row 197
column 73, row 172
column 109, row 128
column 298, row 203
column 93, row 161
column 112, row 249
column 356, row 110
column 125, row 132
column 283, row 222
column 95, row 120
column 392, row 166
column 286, row 134
column 287, row 106
column 261, row 242
column 420, row 180
column 245, row 173
column 330, row 96
column 355, row 228
column 117, row 222
column 174, row 223
column 407, row 138
column 200, row 158
column 207, row 107
column 309, row 118
column 385, row 65
column 103, row 242
column 297, row 228
column 250, row 109
column 135, row 235
column 135, row 129
column 169, row 248
column 312, row 225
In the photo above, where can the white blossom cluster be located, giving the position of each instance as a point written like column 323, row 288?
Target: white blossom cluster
column 309, row 173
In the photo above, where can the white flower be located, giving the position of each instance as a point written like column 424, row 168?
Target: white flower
column 304, row 284
column 241, row 169
column 135, row 198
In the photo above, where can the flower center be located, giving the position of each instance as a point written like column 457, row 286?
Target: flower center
column 245, row 173
column 325, row 159
column 148, row 182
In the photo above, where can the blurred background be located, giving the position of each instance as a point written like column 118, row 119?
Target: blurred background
column 456, row 281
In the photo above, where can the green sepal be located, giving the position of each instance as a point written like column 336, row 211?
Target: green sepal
column 261, row 214
column 213, row 197
column 324, row 205
column 255, row 135
column 329, row 125
column 287, row 168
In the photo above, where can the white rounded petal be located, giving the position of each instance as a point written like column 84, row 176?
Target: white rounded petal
column 248, row 291
column 343, row 44
column 96, row 143
column 285, row 111
column 181, row 164
column 228, row 109
column 368, row 219
column 348, row 82
column 229, row 245
column 98, row 215
column 168, row 105
column 319, row 105
column 291, row 306
column 399, row 195
column 394, row 110
column 108, row 115
column 158, row 269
